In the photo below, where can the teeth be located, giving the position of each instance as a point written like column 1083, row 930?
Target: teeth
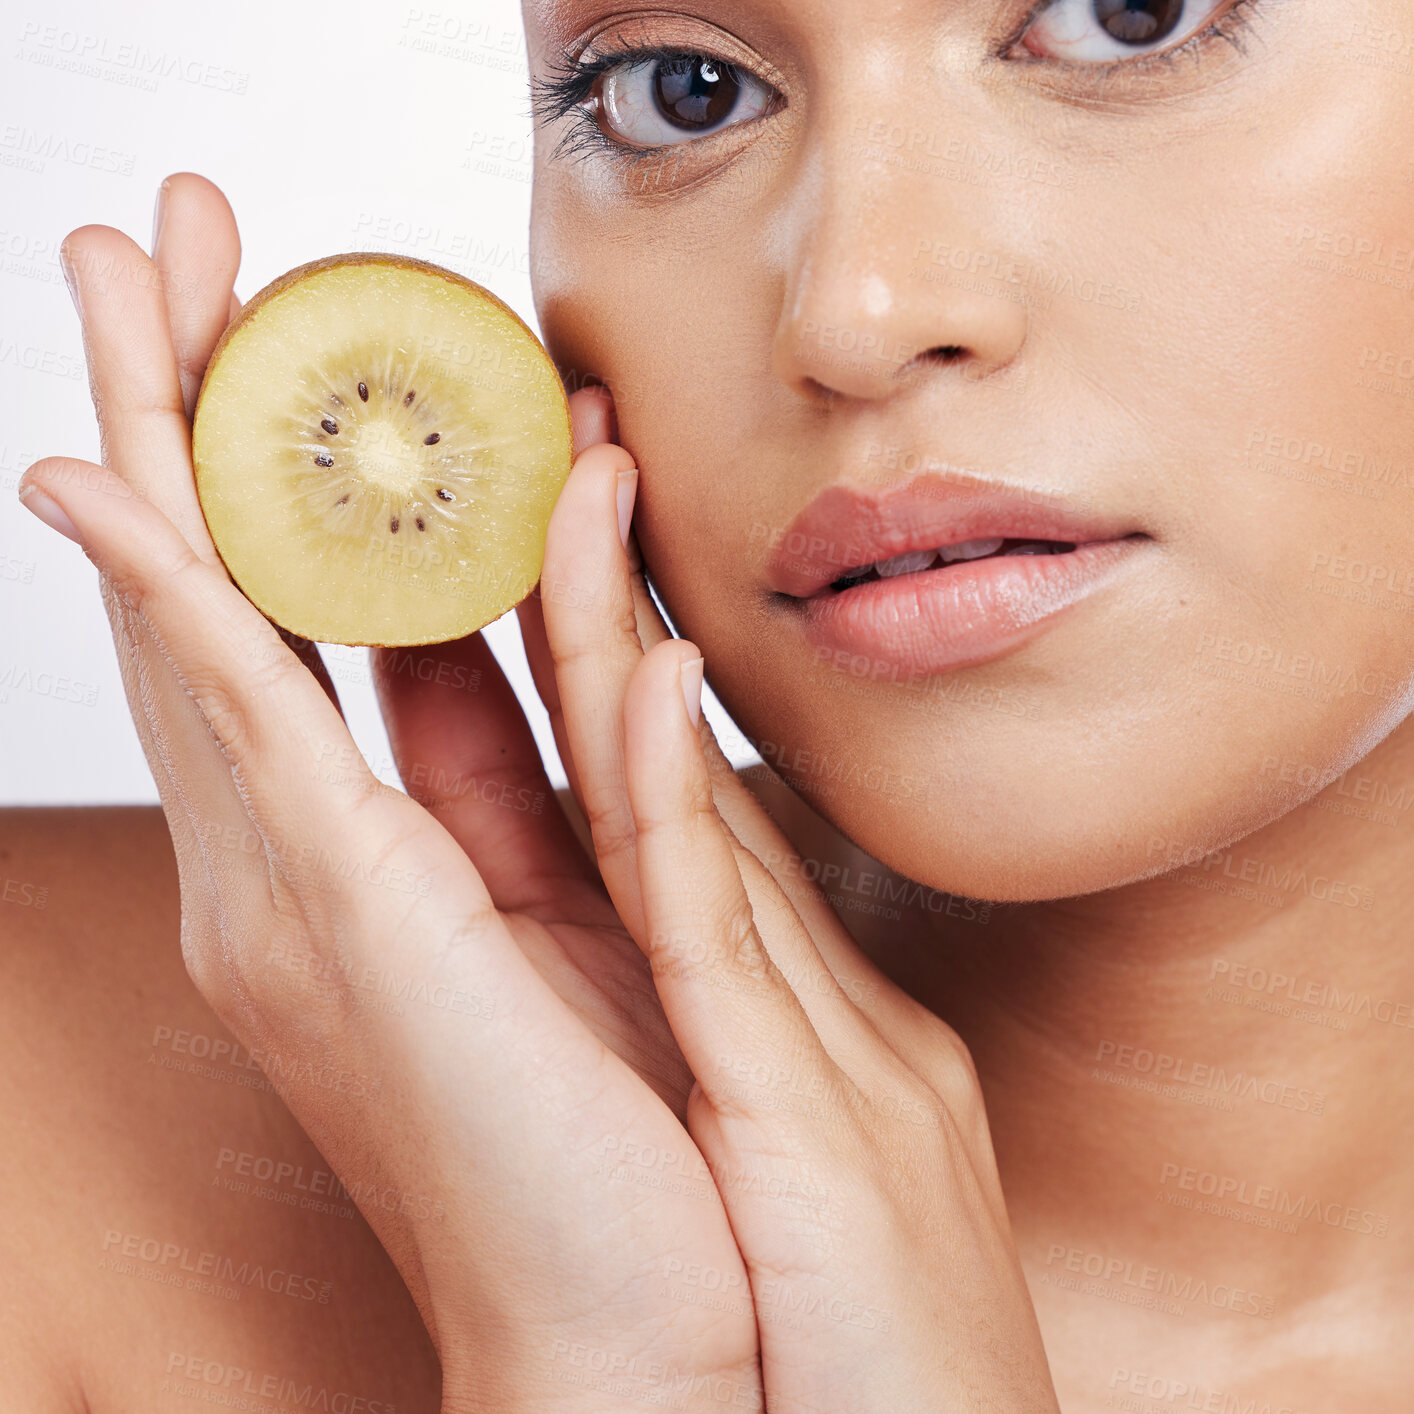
column 969, row 550
column 906, row 563
column 857, row 573
column 915, row 560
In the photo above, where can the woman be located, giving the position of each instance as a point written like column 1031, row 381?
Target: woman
column 1104, row 300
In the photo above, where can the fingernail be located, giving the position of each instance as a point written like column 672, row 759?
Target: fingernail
column 159, row 210
column 67, row 266
column 624, row 493
column 691, row 675
column 50, row 512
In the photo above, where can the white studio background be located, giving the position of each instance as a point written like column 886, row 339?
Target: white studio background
column 399, row 128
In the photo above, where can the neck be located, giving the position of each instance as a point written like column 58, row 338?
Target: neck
column 1206, row 1072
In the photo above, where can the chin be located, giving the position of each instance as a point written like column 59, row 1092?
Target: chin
column 1011, row 842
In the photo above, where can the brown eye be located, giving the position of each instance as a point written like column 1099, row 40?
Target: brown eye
column 663, row 101
column 695, row 91
column 1103, row 31
column 1139, row 21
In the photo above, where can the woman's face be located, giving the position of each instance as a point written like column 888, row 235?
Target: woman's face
column 1136, row 274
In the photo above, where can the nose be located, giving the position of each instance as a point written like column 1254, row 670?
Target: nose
column 869, row 307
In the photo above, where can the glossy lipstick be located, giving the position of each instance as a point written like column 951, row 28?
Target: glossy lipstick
column 951, row 615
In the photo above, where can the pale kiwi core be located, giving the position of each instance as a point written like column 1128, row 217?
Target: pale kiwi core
column 378, row 446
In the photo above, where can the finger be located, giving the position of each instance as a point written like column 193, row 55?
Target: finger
column 592, row 417
column 591, row 422
column 466, row 753
column 275, row 728
column 772, row 864
column 197, row 252
column 197, row 797
column 308, row 654
column 592, row 634
column 133, row 372
column 725, row 982
column 264, row 714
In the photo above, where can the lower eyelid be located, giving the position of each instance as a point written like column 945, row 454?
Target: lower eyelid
column 755, row 91
column 1207, row 28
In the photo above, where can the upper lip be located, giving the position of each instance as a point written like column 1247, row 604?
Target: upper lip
column 846, row 527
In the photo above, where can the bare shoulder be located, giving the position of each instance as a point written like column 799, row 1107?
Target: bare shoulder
column 170, row 1230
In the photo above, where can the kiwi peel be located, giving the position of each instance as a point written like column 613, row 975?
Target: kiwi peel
column 378, row 444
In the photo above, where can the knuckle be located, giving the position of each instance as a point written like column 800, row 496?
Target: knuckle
column 612, row 827
column 726, row 945
column 742, row 942
column 199, row 956
column 954, row 1078
column 143, row 586
column 230, row 692
column 215, row 970
column 127, row 585
column 701, row 802
column 225, row 719
column 952, row 1061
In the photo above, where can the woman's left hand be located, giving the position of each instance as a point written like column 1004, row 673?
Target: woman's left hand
column 842, row 1121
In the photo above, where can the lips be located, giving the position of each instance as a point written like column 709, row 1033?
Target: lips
column 848, row 528
column 940, row 573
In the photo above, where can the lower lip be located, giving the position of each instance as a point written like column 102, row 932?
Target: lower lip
column 935, row 620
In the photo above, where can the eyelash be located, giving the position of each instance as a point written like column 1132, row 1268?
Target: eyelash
column 570, row 81
column 1240, row 19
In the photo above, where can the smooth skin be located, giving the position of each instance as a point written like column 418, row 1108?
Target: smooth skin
column 1197, row 198
column 670, row 996
column 1174, row 292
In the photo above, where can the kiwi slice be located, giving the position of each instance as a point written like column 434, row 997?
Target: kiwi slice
column 378, row 445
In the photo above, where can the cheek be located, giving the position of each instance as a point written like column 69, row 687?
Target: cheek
column 1255, row 404
column 1263, row 400
column 685, row 350
column 1316, row 509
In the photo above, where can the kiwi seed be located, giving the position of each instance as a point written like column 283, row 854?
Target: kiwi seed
column 468, row 438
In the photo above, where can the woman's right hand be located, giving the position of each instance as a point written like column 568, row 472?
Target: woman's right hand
column 444, row 995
